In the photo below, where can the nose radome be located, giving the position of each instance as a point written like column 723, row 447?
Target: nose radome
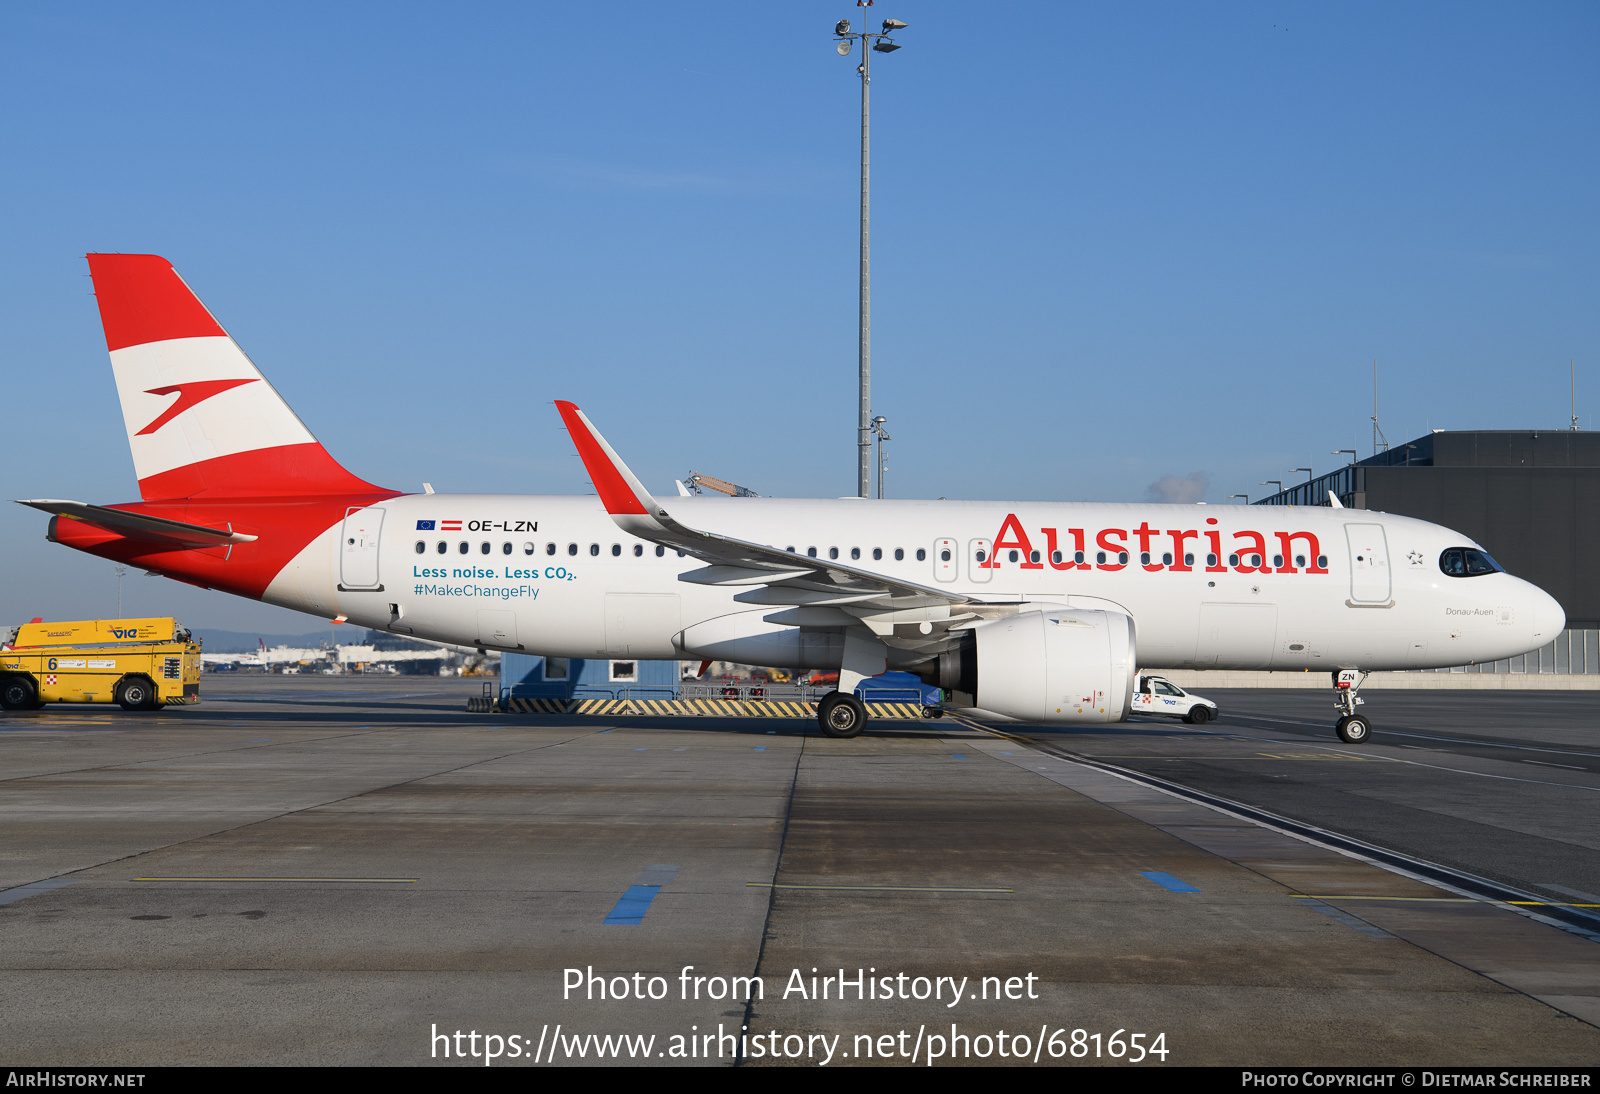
column 1549, row 618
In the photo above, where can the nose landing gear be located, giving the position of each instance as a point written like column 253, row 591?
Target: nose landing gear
column 1351, row 727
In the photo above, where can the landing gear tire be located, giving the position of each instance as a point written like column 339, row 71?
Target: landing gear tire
column 1353, row 729
column 17, row 693
column 136, row 693
column 842, row 716
column 1199, row 716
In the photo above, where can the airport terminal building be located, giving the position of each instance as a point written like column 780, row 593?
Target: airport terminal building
column 1531, row 498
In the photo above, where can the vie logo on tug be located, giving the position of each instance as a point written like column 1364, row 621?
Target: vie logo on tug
column 1171, row 550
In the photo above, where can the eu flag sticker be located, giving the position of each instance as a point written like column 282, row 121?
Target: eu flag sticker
column 424, row 525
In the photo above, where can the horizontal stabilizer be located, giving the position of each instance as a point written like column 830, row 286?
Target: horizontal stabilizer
column 139, row 526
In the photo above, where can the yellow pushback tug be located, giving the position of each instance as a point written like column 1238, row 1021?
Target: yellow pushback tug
column 140, row 664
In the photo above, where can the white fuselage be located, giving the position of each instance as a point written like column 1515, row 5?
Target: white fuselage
column 554, row 575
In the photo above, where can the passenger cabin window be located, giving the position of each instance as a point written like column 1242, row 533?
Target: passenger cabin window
column 922, row 555
column 443, row 547
column 982, row 555
column 638, row 550
column 833, row 552
column 484, row 548
column 549, row 548
column 572, row 548
column 660, row 551
column 1055, row 557
column 877, row 553
column 464, row 547
column 855, row 552
column 1100, row 557
column 421, row 547
column 811, row 552
column 899, row 554
column 1013, row 556
column 1144, row 558
column 1467, row 562
column 527, row 548
column 1077, row 556
column 1188, row 560
column 505, row 548
column 616, row 550
column 1166, row 559
column 594, row 550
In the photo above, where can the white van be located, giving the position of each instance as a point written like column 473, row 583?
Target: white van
column 1159, row 696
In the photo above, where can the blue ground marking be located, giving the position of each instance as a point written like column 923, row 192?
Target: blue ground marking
column 22, row 892
column 761, row 748
column 641, row 750
column 1167, row 881
column 634, row 903
column 1343, row 917
column 957, row 756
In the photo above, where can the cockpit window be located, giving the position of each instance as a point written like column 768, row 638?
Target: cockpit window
column 1468, row 562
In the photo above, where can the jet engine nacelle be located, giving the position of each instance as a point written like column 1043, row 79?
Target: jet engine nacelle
column 1064, row 665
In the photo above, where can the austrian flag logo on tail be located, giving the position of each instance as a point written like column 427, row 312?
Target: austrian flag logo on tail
column 190, row 394
column 450, row 526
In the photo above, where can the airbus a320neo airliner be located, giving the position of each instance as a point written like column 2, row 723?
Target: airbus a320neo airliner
column 1022, row 610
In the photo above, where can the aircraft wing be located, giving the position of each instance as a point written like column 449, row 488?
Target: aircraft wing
column 823, row 592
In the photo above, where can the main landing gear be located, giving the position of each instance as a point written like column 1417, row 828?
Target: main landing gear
column 1352, row 728
column 841, row 715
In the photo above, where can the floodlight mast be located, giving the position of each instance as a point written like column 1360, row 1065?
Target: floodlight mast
column 880, row 42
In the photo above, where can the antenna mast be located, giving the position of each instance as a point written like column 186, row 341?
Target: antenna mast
column 1377, row 431
column 1574, row 394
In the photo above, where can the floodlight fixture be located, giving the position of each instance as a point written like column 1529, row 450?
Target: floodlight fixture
column 884, row 46
column 1246, row 497
column 843, row 47
column 1273, row 482
column 843, row 27
column 1307, row 470
column 892, row 25
column 1342, row 451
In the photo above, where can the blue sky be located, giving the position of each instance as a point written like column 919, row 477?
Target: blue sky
column 1112, row 243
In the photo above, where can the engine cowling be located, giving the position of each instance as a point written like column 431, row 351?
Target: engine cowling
column 1063, row 665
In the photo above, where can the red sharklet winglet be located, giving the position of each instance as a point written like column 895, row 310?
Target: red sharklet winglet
column 142, row 299
column 620, row 491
